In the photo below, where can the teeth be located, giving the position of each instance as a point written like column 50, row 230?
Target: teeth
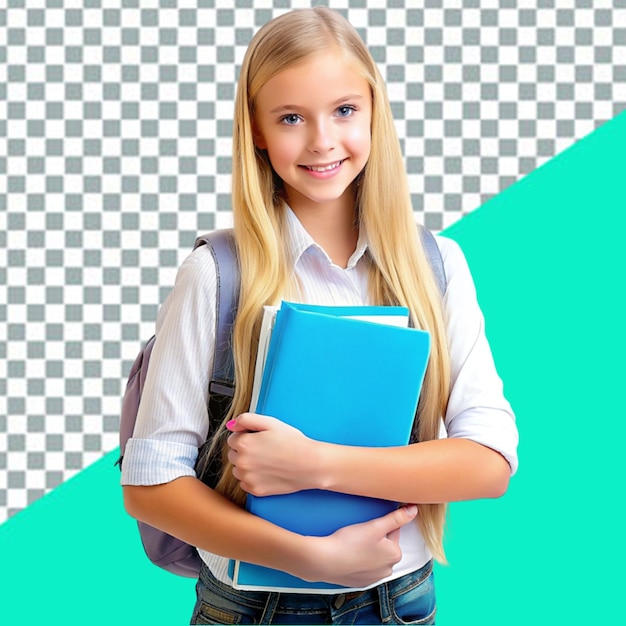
column 324, row 169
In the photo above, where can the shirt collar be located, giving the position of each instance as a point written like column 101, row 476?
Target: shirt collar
column 301, row 242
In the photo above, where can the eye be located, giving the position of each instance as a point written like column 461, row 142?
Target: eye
column 345, row 110
column 291, row 119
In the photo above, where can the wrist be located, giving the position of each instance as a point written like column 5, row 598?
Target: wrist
column 311, row 558
column 321, row 475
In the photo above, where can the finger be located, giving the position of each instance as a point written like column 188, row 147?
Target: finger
column 251, row 421
column 394, row 536
column 233, row 440
column 398, row 518
column 235, row 426
column 232, row 456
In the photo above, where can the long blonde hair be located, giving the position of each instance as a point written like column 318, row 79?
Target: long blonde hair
column 398, row 268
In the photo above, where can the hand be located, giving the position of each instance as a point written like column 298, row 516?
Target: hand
column 270, row 457
column 362, row 554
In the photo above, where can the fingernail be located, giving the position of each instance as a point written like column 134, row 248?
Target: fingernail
column 411, row 510
column 230, row 425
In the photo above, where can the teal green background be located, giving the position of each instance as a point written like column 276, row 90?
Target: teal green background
column 551, row 550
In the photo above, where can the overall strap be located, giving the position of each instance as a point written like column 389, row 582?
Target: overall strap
column 434, row 257
column 221, row 243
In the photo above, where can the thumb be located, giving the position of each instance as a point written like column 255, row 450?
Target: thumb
column 249, row 422
column 398, row 518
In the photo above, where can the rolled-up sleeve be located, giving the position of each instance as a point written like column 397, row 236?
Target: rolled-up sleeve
column 477, row 407
column 172, row 421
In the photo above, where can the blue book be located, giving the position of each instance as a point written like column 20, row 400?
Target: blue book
column 340, row 380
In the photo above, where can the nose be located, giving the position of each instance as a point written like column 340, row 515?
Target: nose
column 321, row 139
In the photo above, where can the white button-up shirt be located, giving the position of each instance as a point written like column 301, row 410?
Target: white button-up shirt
column 172, row 419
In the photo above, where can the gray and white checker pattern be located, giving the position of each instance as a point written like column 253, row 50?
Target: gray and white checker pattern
column 115, row 124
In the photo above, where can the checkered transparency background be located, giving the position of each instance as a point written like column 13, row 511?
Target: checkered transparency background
column 115, row 126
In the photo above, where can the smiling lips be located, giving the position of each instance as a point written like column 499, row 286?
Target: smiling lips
column 323, row 168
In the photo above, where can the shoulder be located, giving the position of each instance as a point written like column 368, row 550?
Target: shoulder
column 454, row 262
column 198, row 268
column 195, row 287
column 451, row 251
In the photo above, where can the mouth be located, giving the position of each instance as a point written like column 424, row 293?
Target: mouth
column 323, row 168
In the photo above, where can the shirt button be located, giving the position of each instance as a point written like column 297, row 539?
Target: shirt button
column 339, row 601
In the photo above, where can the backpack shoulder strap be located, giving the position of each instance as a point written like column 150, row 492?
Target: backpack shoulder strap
column 221, row 243
column 434, row 258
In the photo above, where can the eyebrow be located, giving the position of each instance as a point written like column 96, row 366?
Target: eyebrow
column 295, row 107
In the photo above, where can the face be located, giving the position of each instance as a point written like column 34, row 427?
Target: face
column 314, row 121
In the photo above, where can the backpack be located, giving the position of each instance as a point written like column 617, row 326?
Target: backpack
column 164, row 550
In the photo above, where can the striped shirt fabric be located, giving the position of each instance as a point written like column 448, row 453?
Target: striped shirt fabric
column 172, row 419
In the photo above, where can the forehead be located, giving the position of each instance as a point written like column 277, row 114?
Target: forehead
column 319, row 80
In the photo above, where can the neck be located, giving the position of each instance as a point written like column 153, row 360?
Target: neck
column 334, row 230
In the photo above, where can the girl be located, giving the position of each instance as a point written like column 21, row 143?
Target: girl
column 322, row 214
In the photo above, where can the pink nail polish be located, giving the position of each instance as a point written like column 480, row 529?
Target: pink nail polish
column 230, row 425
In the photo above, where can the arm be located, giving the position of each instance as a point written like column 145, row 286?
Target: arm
column 188, row 509
column 475, row 461
column 160, row 487
column 355, row 556
column 444, row 470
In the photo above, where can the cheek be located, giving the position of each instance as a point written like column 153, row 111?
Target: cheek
column 281, row 152
column 359, row 141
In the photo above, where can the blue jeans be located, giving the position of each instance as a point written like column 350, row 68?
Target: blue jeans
column 406, row 600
